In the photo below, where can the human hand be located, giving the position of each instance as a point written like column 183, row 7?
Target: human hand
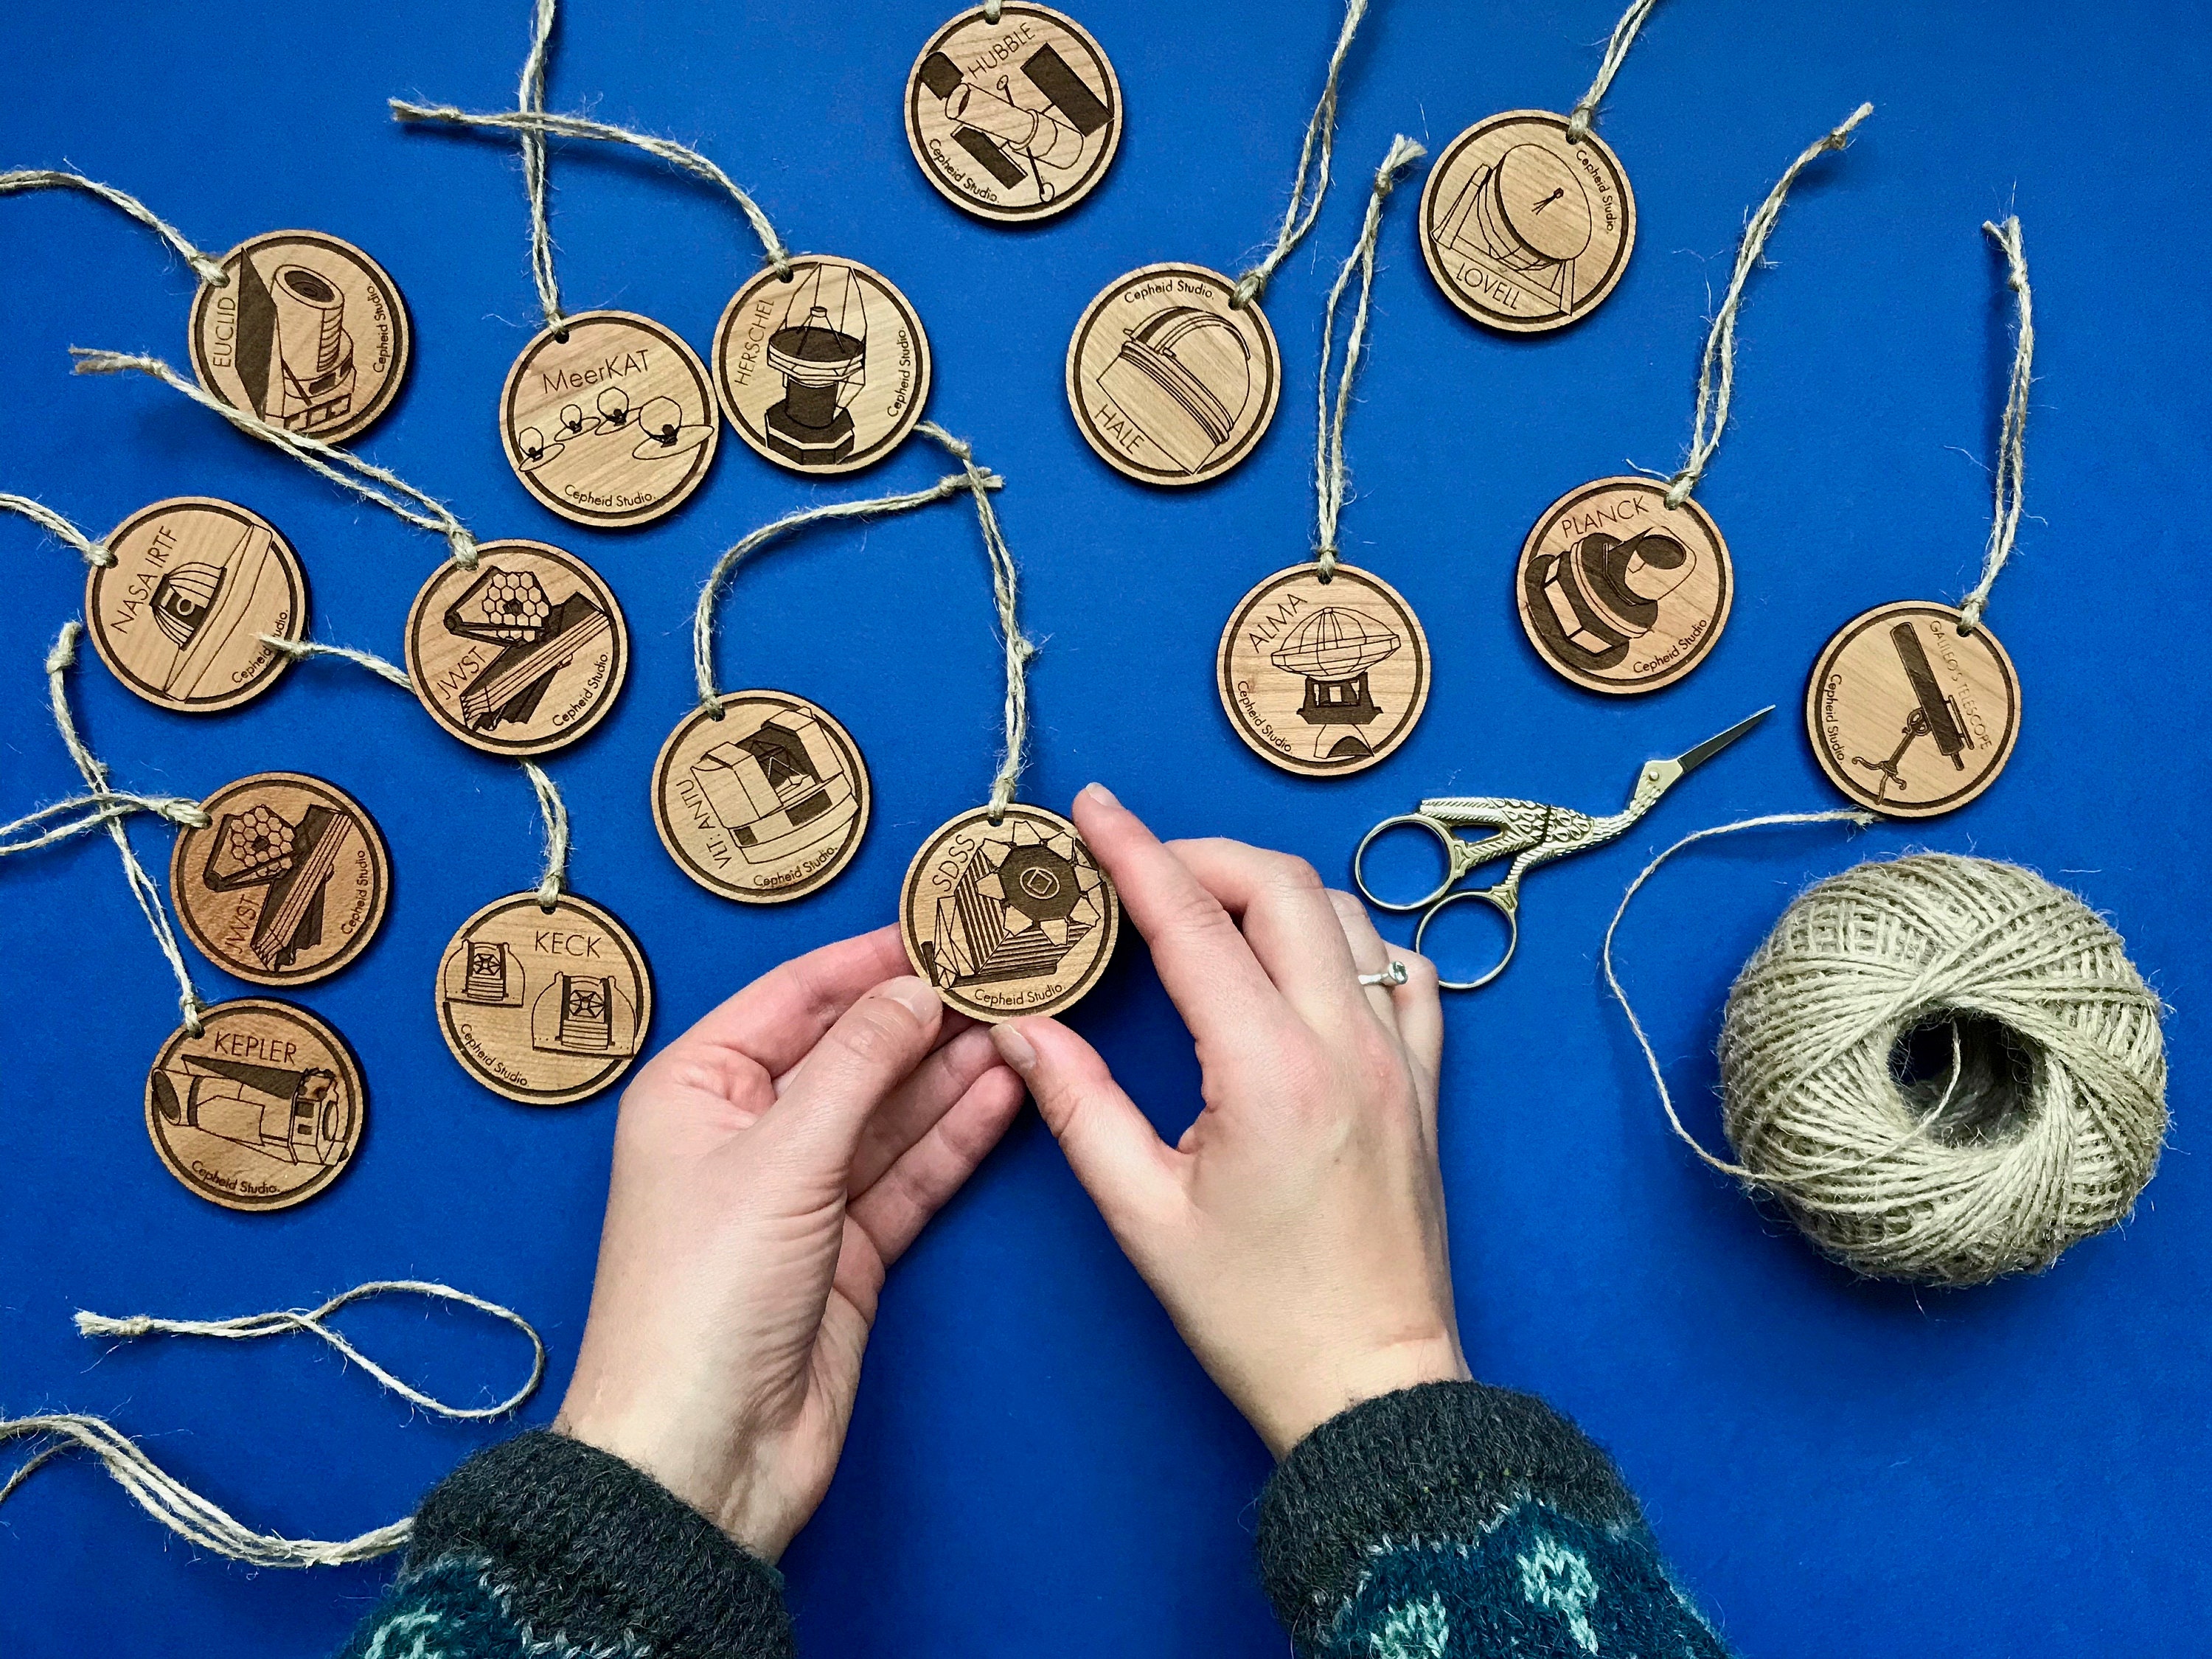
column 1295, row 1232
column 770, row 1165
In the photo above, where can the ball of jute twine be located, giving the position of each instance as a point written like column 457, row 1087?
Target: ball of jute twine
column 2045, row 1110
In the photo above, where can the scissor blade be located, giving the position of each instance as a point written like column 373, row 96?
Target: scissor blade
column 1713, row 745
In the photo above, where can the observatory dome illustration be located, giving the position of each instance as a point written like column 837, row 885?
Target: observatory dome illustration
column 1332, row 650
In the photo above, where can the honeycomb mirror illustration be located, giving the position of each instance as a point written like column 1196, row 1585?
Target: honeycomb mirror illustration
column 510, row 608
column 1182, row 378
column 1603, row 593
column 290, row 863
column 1037, row 134
column 1526, row 216
column 1018, row 909
column 779, row 790
column 293, row 1117
column 1333, row 651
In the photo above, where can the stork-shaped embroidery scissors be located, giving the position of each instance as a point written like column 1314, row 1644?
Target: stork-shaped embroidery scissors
column 1527, row 832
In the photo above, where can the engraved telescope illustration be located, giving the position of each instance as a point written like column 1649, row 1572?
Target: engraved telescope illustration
column 1004, row 134
column 1525, row 215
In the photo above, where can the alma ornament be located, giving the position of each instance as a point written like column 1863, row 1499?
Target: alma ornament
column 1173, row 373
column 179, row 609
column 1013, row 111
column 1913, row 708
column 1323, row 669
column 294, row 327
column 288, row 883
column 1623, row 584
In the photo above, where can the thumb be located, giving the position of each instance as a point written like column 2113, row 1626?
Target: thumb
column 1128, row 1170
column 873, row 1047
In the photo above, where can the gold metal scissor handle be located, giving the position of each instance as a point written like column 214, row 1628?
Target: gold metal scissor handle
column 1454, row 863
column 1504, row 898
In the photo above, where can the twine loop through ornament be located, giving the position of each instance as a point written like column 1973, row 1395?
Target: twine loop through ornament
column 206, row 267
column 2010, row 472
column 93, row 553
column 2043, row 1121
column 1315, row 154
column 1616, row 52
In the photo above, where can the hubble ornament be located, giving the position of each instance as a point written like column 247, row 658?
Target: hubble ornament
column 1013, row 113
column 288, row 883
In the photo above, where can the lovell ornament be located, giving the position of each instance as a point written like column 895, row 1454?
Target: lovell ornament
column 1013, row 111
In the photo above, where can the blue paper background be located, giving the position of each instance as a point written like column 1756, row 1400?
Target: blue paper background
column 1835, row 1468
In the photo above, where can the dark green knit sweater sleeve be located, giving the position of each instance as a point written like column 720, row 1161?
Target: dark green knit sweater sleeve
column 1456, row 1521
column 545, row 1546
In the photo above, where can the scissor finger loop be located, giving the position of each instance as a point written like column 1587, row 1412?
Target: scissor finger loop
column 1454, row 867
column 1505, row 900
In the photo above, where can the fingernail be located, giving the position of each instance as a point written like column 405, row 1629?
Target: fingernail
column 1101, row 794
column 1013, row 1048
column 914, row 996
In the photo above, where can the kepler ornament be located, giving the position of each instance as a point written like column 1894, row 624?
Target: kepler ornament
column 297, row 328
column 1625, row 584
column 1173, row 372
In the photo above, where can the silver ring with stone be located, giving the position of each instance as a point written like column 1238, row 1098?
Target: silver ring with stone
column 1394, row 975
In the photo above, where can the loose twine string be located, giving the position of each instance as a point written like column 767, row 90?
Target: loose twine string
column 553, row 882
column 93, row 553
column 531, row 99
column 537, row 122
column 1616, row 53
column 1328, row 441
column 1314, row 154
column 1716, row 369
column 184, row 1512
column 112, row 810
column 2060, row 1111
column 978, row 482
column 342, row 467
column 2012, row 436
column 20, row 179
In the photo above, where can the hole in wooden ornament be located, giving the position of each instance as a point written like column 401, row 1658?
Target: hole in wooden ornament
column 560, row 336
column 1991, row 1074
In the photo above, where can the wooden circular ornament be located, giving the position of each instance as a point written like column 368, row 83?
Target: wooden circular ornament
column 178, row 616
column 309, row 334
column 1010, row 918
column 1525, row 229
column 824, row 371
column 287, row 884
column 764, row 805
column 262, row 1110
column 1171, row 382
column 521, row 655
column 544, row 1006
column 1620, row 592
column 1015, row 120
column 1323, row 674
column 1908, row 715
column 609, row 419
